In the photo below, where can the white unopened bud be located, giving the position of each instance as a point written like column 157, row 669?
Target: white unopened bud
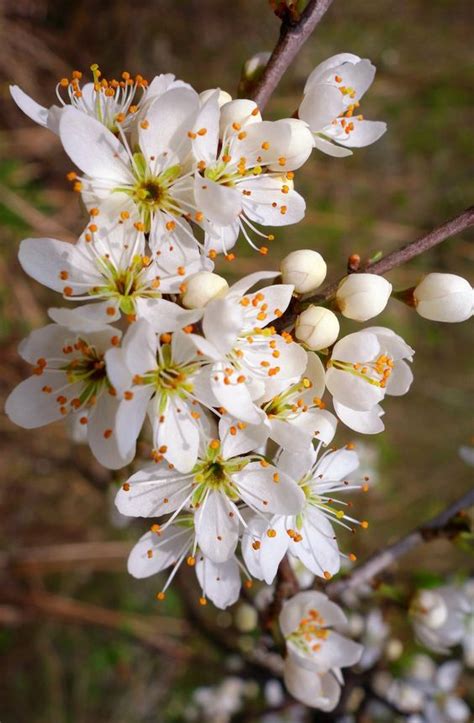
column 246, row 618
column 444, row 297
column 363, row 296
column 317, row 327
column 224, row 96
column 240, row 111
column 305, row 269
column 201, row 288
column 255, row 65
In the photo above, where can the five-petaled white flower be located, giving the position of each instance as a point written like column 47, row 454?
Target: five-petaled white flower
column 69, row 377
column 213, row 489
column 245, row 170
column 159, row 376
column 330, row 105
column 251, row 361
column 316, row 651
column 309, row 535
column 109, row 101
column 113, row 271
column 364, row 367
column 151, row 183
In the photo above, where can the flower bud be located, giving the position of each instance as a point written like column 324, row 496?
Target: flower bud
column 224, row 96
column 317, row 327
column 305, row 269
column 201, row 288
column 363, row 296
column 239, row 111
column 246, row 618
column 444, row 297
column 254, row 66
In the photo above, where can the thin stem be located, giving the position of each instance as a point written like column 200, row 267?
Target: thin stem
column 406, row 253
column 293, row 35
column 379, row 561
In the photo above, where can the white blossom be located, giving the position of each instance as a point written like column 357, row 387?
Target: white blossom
column 443, row 617
column 364, row 367
column 212, row 490
column 245, row 170
column 113, row 271
column 108, row 101
column 330, row 105
column 251, row 360
column 316, row 651
column 308, row 535
column 159, row 377
column 70, row 378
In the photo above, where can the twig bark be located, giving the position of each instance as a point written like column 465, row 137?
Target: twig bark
column 147, row 631
column 400, row 256
column 293, row 35
column 379, row 561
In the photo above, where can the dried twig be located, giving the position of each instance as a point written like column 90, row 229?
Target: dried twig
column 149, row 631
column 293, row 34
column 400, row 256
column 439, row 526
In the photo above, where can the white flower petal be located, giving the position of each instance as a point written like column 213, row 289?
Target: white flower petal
column 365, row 422
column 93, row 148
column 220, row 582
column 268, row 490
column 321, row 105
column 154, row 553
column 152, row 492
column 316, row 690
column 217, row 527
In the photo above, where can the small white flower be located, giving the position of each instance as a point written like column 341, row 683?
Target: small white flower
column 444, row 297
column 309, row 535
column 251, row 361
column 363, row 296
column 296, row 415
column 212, row 489
column 158, row 378
column 364, row 367
column 70, row 378
column 316, row 650
column 305, row 269
column 317, row 327
column 113, row 271
column 109, row 102
column 202, row 287
column 245, row 170
column 152, row 185
column 330, row 105
column 444, row 617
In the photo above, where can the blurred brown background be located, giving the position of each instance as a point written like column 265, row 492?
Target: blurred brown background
column 65, row 657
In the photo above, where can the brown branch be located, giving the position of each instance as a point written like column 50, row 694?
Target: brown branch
column 292, row 37
column 406, row 253
column 147, row 631
column 438, row 526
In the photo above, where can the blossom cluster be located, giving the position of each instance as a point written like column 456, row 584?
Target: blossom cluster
column 155, row 346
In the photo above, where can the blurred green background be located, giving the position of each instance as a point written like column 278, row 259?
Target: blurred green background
column 65, row 656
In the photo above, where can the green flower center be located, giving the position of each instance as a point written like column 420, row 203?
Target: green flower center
column 126, row 284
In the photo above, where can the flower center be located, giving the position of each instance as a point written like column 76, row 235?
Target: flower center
column 89, row 370
column 112, row 102
column 213, row 472
column 126, row 284
column 310, row 632
column 376, row 372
